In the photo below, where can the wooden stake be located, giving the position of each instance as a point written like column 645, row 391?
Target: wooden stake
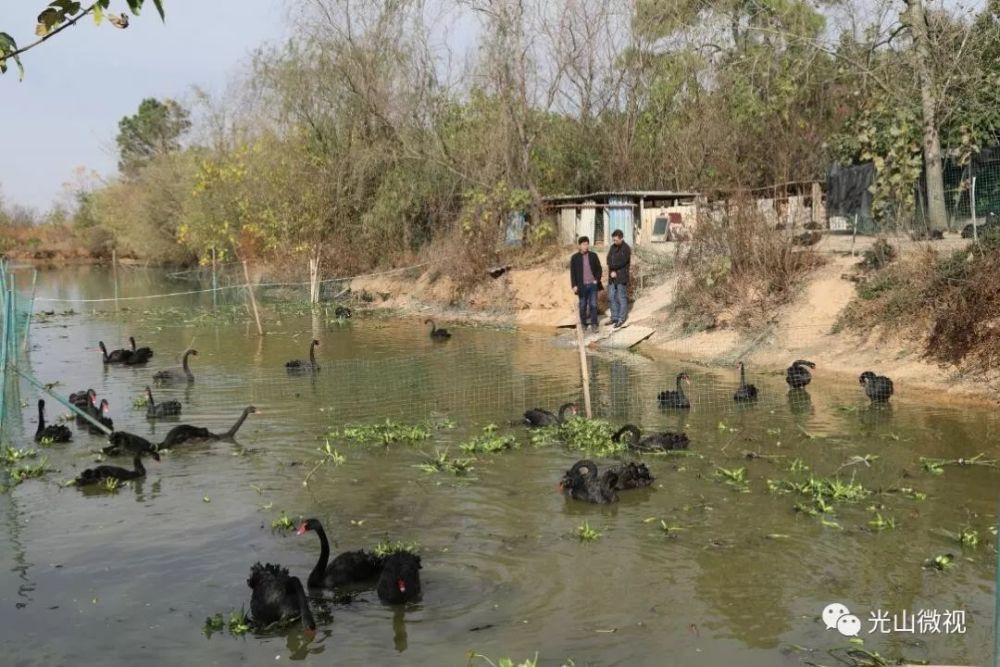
column 584, row 371
column 253, row 299
column 215, row 282
column 114, row 272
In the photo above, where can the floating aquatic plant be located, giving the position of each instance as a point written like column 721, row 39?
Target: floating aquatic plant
column 21, row 473
column 940, row 562
column 387, row 433
column 387, row 548
column 283, row 522
column 489, row 442
column 735, row 477
column 327, row 455
column 936, row 466
column 880, row 523
column 238, row 622
column 11, row 456
column 592, row 436
column 503, row 662
column 441, row 463
column 586, row 533
column 110, row 484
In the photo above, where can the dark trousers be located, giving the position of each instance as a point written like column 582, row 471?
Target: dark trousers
column 588, row 299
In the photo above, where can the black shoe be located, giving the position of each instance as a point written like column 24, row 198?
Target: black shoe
column 619, row 323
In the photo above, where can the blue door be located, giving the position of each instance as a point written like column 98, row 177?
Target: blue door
column 620, row 217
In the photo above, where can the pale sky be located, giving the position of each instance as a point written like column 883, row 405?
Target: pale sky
column 81, row 82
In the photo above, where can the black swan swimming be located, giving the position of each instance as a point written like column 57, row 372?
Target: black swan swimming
column 177, row 374
column 797, row 375
column 877, row 387
column 135, row 357
column 103, row 417
column 540, row 417
column 305, row 366
column 399, row 582
column 101, row 473
column 582, row 482
column 663, row 441
column 631, row 475
column 184, row 433
column 86, row 402
column 347, row 568
column 745, row 392
column 277, row 596
column 343, row 313
column 125, row 442
column 156, row 410
column 437, row 334
column 144, row 351
column 52, row 432
column 115, row 356
column 677, row 398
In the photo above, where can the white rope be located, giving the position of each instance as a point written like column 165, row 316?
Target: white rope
column 219, row 289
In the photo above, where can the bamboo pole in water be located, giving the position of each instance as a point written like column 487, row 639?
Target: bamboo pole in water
column 114, row 273
column 253, row 298
column 584, row 370
column 31, row 308
column 215, row 282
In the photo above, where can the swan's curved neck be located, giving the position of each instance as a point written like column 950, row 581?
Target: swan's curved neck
column 104, row 351
column 680, row 386
column 236, row 427
column 41, row 417
column 627, row 428
column 312, row 353
column 316, row 576
column 184, row 364
column 137, row 464
column 300, row 595
column 743, row 375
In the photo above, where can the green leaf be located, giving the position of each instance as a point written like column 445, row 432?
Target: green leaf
column 135, row 6
column 159, row 8
column 98, row 14
column 8, row 46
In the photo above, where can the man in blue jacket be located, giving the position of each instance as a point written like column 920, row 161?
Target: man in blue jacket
column 585, row 277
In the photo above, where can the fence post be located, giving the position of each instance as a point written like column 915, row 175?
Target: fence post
column 253, row 299
column 854, row 234
column 215, row 281
column 114, row 273
column 972, row 198
column 584, row 370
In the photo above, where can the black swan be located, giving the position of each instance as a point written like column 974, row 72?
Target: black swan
column 101, row 473
column 342, row 313
column 437, row 334
column 86, row 402
column 347, row 568
column 305, row 366
column 81, row 399
column 877, row 387
column 540, row 417
column 581, row 482
column 675, row 399
column 177, row 374
column 664, row 441
column 123, row 441
column 102, row 417
column 745, row 392
column 145, row 351
column 135, row 357
column 631, row 475
column 115, row 356
column 399, row 582
column 52, row 432
column 797, row 375
column 183, row 433
column 277, row 596
column 165, row 409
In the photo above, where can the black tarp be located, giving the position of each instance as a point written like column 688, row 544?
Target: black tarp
column 847, row 191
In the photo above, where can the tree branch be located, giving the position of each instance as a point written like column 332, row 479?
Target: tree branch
column 53, row 33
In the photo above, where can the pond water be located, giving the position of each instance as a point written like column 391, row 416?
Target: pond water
column 740, row 578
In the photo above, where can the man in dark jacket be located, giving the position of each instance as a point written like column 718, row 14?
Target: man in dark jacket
column 585, row 276
column 619, row 260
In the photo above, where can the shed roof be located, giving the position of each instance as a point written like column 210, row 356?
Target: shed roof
column 645, row 194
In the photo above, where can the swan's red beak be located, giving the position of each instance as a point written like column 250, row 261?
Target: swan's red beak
column 559, row 487
column 301, row 530
column 401, row 585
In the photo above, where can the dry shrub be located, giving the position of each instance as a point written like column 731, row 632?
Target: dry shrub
column 46, row 241
column 738, row 263
column 951, row 304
